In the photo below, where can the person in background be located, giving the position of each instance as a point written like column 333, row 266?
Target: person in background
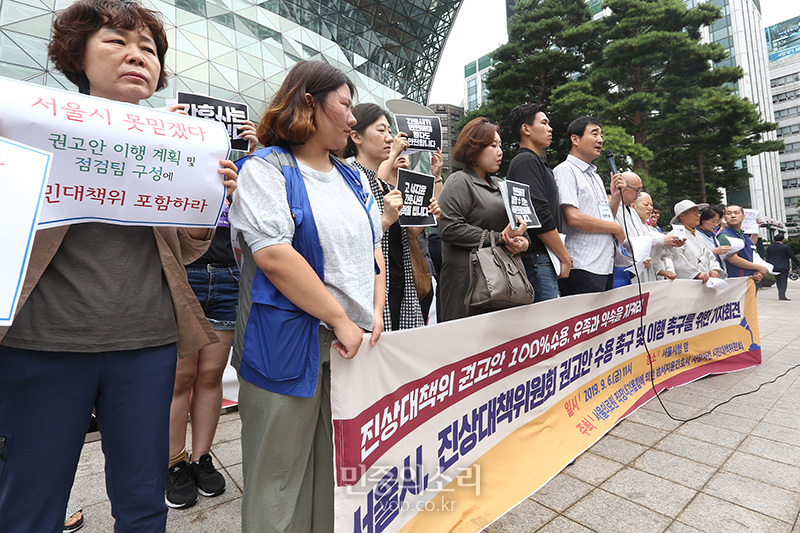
column 105, row 312
column 214, row 278
column 587, row 211
column 661, row 266
column 694, row 260
column 779, row 254
column 740, row 264
column 471, row 201
column 313, row 279
column 531, row 128
column 709, row 222
column 653, row 220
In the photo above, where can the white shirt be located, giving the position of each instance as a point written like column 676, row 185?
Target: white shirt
column 580, row 186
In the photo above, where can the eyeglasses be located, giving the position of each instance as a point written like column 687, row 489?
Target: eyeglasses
column 637, row 189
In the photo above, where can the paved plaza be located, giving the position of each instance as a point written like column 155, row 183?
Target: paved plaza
column 735, row 470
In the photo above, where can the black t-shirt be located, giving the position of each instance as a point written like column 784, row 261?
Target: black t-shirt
column 531, row 169
column 396, row 271
column 220, row 250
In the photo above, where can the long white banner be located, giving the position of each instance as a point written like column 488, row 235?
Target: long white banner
column 116, row 162
column 445, row 428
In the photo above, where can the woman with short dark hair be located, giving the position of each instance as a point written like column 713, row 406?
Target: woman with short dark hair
column 471, row 202
column 105, row 312
column 312, row 278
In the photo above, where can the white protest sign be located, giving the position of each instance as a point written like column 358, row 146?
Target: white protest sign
column 641, row 245
column 716, row 284
column 750, row 222
column 116, row 162
column 23, row 175
column 679, row 231
column 736, row 245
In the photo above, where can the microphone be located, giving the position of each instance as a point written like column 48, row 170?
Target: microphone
column 610, row 159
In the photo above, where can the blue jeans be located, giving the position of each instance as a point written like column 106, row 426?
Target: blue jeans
column 542, row 276
column 217, row 289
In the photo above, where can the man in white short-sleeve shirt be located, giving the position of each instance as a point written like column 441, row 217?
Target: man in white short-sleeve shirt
column 588, row 214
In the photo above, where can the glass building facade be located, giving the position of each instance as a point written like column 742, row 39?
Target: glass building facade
column 740, row 31
column 241, row 49
column 783, row 46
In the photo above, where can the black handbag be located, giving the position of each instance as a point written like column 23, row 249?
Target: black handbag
column 497, row 280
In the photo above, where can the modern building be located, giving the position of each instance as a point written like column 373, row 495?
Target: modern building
column 241, row 49
column 475, row 90
column 783, row 44
column 449, row 115
column 739, row 32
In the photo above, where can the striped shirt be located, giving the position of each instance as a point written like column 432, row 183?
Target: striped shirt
column 580, row 186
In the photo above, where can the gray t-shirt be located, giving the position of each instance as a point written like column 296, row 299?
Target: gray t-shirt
column 260, row 211
column 104, row 290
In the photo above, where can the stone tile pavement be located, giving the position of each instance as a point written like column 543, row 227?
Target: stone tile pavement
column 735, row 470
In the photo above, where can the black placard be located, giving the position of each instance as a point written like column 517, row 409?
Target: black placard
column 417, row 191
column 424, row 133
column 517, row 199
column 231, row 114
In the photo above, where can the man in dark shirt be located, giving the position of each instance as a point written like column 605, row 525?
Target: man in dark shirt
column 531, row 127
column 779, row 255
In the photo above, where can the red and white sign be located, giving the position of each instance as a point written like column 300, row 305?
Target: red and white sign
column 116, row 162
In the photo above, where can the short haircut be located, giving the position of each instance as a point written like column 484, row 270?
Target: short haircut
column 73, row 27
column 289, row 119
column 779, row 237
column 741, row 209
column 578, row 126
column 366, row 115
column 709, row 212
column 476, row 135
column 656, row 207
column 523, row 114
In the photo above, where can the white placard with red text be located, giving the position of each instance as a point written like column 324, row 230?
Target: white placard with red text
column 447, row 427
column 23, row 176
column 116, row 162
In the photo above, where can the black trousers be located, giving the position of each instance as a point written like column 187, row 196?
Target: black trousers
column 781, row 280
column 584, row 282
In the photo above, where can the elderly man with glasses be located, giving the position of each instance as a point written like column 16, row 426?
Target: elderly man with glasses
column 629, row 219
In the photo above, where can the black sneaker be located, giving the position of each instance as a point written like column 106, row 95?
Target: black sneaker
column 181, row 490
column 209, row 481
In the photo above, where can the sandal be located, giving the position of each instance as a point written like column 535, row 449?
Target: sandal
column 73, row 513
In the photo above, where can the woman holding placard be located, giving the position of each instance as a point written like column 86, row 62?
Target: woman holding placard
column 313, row 278
column 471, row 201
column 105, row 311
column 375, row 151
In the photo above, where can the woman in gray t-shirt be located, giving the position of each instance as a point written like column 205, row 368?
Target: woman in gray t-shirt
column 310, row 235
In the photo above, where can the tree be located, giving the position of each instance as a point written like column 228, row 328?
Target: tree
column 719, row 130
column 655, row 79
column 547, row 43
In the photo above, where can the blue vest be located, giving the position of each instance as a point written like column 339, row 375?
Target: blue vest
column 744, row 253
column 281, row 341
